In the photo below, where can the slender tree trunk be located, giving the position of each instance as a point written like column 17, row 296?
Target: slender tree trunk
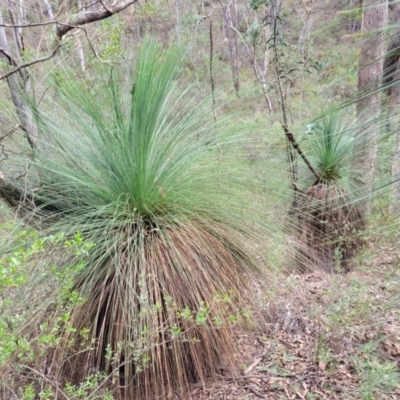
column 211, row 71
column 49, row 11
column 79, row 48
column 234, row 27
column 18, row 85
column 261, row 68
column 177, row 18
column 228, row 24
column 374, row 21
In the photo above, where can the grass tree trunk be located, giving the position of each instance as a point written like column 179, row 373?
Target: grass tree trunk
column 374, row 20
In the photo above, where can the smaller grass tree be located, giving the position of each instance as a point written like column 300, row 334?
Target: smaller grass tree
column 132, row 165
column 329, row 219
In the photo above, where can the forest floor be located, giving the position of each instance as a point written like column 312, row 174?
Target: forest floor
column 323, row 337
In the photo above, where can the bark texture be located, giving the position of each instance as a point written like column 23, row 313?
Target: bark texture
column 391, row 76
column 374, row 21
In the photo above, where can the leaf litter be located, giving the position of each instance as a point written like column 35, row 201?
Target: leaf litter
column 322, row 335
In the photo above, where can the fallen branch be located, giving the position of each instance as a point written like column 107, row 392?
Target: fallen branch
column 254, row 364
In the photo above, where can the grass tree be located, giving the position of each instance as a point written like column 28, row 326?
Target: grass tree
column 329, row 217
column 131, row 165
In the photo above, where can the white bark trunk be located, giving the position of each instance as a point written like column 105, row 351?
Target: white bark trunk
column 18, row 85
column 48, row 10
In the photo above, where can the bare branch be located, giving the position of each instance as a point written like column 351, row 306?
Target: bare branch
column 89, row 17
column 9, row 58
column 65, row 27
column 256, row 68
column 9, row 133
column 106, row 7
column 28, row 64
column 44, row 377
column 93, row 49
column 86, row 6
column 296, row 146
column 29, row 25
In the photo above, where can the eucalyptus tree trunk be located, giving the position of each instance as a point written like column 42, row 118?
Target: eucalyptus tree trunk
column 79, row 48
column 392, row 74
column 177, row 20
column 395, row 207
column 230, row 27
column 19, row 83
column 374, row 20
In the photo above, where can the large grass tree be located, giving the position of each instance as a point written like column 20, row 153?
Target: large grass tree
column 132, row 165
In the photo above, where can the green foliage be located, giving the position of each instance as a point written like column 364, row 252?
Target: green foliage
column 332, row 146
column 20, row 349
column 377, row 375
column 256, row 4
column 111, row 33
column 255, row 32
column 150, row 8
